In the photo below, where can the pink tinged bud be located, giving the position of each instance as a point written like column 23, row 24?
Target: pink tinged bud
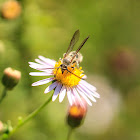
column 76, row 114
column 1, row 127
column 11, row 78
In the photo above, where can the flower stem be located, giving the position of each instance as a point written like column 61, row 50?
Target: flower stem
column 29, row 117
column 69, row 133
column 4, row 93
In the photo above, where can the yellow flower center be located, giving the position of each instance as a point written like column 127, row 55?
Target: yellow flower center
column 67, row 78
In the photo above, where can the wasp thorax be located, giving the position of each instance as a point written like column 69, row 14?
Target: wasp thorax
column 66, row 61
column 78, row 57
column 72, row 57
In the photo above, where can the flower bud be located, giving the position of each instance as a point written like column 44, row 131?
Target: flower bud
column 76, row 115
column 5, row 128
column 11, row 9
column 1, row 127
column 11, row 78
column 123, row 61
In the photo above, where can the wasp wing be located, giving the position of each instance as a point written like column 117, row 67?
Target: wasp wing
column 81, row 45
column 73, row 41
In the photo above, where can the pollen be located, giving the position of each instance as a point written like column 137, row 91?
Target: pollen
column 69, row 79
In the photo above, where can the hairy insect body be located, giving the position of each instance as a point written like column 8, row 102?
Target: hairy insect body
column 66, row 62
column 77, row 59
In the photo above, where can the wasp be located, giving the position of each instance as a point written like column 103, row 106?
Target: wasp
column 72, row 57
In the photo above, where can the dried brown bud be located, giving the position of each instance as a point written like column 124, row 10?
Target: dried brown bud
column 76, row 115
column 11, row 9
column 123, row 61
column 11, row 78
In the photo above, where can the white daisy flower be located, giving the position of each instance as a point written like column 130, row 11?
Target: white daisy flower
column 70, row 82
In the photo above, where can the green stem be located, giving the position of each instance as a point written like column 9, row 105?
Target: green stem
column 29, row 117
column 4, row 93
column 69, row 133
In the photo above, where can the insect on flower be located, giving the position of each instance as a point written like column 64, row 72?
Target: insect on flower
column 67, row 77
column 72, row 57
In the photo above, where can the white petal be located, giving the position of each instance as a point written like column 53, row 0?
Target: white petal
column 87, row 93
column 47, row 60
column 84, row 77
column 45, row 64
column 74, row 98
column 45, row 69
column 91, row 87
column 69, row 95
column 95, row 94
column 84, row 96
column 56, row 92
column 62, row 94
column 33, row 63
column 38, row 66
column 44, row 81
column 76, row 95
column 51, row 87
column 88, row 90
column 40, row 74
column 40, row 62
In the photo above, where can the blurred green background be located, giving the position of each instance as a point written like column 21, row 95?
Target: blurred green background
column 111, row 62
